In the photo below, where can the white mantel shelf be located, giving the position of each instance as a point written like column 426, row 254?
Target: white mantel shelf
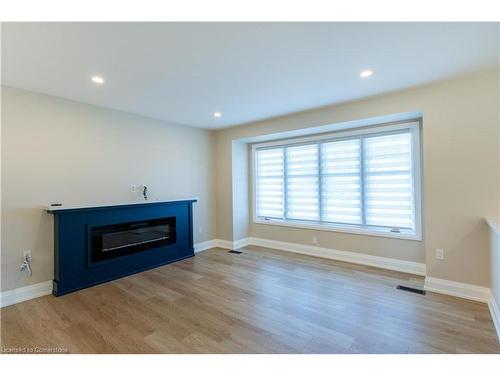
column 53, row 209
column 494, row 223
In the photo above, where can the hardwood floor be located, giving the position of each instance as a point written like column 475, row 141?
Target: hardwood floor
column 261, row 301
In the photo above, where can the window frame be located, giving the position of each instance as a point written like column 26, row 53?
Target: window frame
column 413, row 126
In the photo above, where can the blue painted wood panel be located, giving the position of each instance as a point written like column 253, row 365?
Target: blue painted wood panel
column 73, row 269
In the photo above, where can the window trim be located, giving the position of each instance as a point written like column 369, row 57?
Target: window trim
column 413, row 125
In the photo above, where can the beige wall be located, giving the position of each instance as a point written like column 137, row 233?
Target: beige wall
column 460, row 181
column 54, row 150
column 495, row 235
column 495, row 262
column 240, row 190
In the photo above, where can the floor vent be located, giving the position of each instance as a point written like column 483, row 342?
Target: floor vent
column 413, row 290
column 235, row 252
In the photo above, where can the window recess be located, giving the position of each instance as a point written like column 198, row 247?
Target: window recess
column 362, row 181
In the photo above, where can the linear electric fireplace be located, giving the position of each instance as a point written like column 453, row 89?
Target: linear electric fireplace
column 93, row 245
column 111, row 241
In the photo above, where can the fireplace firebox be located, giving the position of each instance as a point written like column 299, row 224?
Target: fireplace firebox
column 111, row 241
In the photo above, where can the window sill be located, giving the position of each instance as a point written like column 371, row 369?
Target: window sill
column 340, row 229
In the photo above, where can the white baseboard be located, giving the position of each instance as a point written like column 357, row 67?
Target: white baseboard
column 11, row 297
column 495, row 313
column 344, row 256
column 456, row 289
column 202, row 246
column 224, row 244
column 231, row 245
column 241, row 243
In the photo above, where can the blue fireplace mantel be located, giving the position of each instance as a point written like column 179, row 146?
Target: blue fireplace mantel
column 74, row 266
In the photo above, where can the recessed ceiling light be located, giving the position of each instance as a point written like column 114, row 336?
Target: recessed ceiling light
column 366, row 73
column 98, row 80
column 217, row 114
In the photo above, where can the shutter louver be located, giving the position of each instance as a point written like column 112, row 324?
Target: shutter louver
column 270, row 183
column 341, row 181
column 302, row 182
column 388, row 181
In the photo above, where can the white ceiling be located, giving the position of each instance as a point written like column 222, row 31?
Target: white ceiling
column 183, row 72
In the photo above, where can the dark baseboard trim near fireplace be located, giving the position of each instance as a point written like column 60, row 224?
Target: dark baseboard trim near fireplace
column 93, row 245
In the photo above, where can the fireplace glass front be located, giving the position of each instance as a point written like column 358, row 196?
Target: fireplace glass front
column 111, row 241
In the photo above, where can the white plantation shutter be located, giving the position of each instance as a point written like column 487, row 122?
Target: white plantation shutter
column 270, row 183
column 302, row 182
column 368, row 180
column 341, row 181
column 388, row 180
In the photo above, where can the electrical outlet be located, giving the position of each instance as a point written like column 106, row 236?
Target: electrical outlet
column 314, row 240
column 26, row 263
column 440, row 254
column 26, row 253
column 133, row 188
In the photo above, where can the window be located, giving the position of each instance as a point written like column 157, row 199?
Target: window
column 361, row 181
